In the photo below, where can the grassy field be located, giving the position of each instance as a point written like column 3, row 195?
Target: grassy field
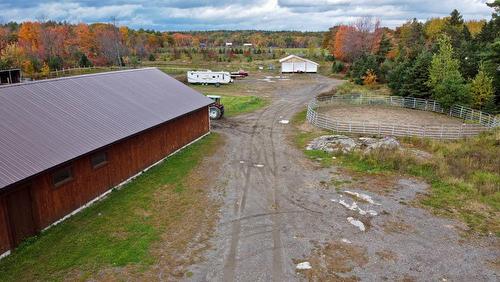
column 121, row 230
column 236, row 105
column 464, row 175
column 234, row 98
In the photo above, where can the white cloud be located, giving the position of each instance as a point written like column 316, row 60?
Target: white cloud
column 239, row 14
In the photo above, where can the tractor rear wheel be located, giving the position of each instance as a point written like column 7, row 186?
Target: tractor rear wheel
column 214, row 113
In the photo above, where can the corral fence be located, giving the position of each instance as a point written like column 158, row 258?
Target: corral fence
column 474, row 121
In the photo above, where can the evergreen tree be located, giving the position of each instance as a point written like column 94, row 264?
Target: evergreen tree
column 384, row 47
column 454, row 28
column 447, row 84
column 362, row 65
column 456, row 18
column 411, row 39
column 397, row 76
column 491, row 59
column 481, row 88
column 55, row 63
column 416, row 77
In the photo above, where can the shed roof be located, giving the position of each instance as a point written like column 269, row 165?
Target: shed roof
column 297, row 57
column 49, row 122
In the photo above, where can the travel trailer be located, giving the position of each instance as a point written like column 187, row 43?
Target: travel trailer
column 209, row 77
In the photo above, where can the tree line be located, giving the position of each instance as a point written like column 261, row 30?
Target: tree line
column 46, row 46
column 446, row 59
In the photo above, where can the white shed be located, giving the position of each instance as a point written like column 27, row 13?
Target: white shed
column 295, row 63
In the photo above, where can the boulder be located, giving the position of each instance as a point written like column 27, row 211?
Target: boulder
column 332, row 143
column 384, row 143
column 341, row 143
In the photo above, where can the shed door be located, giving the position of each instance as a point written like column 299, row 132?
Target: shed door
column 300, row 67
column 20, row 214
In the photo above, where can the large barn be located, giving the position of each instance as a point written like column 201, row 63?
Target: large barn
column 65, row 142
column 296, row 64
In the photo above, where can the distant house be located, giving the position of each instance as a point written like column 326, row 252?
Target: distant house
column 247, row 44
column 229, row 44
column 66, row 142
column 296, row 64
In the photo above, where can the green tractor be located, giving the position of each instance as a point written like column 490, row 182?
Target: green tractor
column 216, row 109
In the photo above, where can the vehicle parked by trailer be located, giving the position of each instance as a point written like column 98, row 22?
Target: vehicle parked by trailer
column 239, row 74
column 209, row 77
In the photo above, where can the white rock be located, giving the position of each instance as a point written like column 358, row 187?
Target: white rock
column 352, row 207
column 304, row 265
column 344, row 240
column 284, row 121
column 362, row 196
column 356, row 223
column 258, row 165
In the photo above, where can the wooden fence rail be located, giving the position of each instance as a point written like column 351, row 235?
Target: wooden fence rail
column 480, row 121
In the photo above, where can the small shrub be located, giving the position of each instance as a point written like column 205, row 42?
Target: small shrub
column 370, row 78
column 337, row 67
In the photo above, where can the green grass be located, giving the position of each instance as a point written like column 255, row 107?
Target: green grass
column 117, row 231
column 236, row 105
column 464, row 175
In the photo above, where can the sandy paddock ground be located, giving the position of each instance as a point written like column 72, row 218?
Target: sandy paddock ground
column 386, row 114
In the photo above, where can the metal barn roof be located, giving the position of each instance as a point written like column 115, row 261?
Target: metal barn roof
column 48, row 122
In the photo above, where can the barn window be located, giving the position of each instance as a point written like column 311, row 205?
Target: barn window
column 99, row 159
column 62, row 176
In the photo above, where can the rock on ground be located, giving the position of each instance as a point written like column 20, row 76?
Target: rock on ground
column 342, row 143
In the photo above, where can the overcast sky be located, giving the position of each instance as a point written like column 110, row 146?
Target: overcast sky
column 304, row 15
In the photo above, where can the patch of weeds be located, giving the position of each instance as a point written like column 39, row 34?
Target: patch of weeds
column 338, row 182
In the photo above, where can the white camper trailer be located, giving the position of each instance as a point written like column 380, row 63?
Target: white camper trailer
column 209, row 77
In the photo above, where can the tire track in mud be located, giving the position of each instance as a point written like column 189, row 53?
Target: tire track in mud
column 239, row 207
column 260, row 148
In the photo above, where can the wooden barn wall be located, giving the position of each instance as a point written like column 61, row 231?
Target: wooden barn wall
column 4, row 229
column 125, row 158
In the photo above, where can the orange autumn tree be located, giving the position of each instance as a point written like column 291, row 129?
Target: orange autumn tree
column 339, row 44
column 29, row 37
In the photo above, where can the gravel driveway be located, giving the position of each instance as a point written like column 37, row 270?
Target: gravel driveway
column 278, row 210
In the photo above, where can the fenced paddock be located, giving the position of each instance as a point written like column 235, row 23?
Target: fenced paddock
column 472, row 121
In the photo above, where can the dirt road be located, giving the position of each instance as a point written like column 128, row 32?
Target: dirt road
column 276, row 213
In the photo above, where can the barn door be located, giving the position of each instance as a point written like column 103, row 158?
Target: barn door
column 20, row 215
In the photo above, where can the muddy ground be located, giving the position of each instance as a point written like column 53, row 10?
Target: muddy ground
column 277, row 211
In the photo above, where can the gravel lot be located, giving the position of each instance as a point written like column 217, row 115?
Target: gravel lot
column 280, row 209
